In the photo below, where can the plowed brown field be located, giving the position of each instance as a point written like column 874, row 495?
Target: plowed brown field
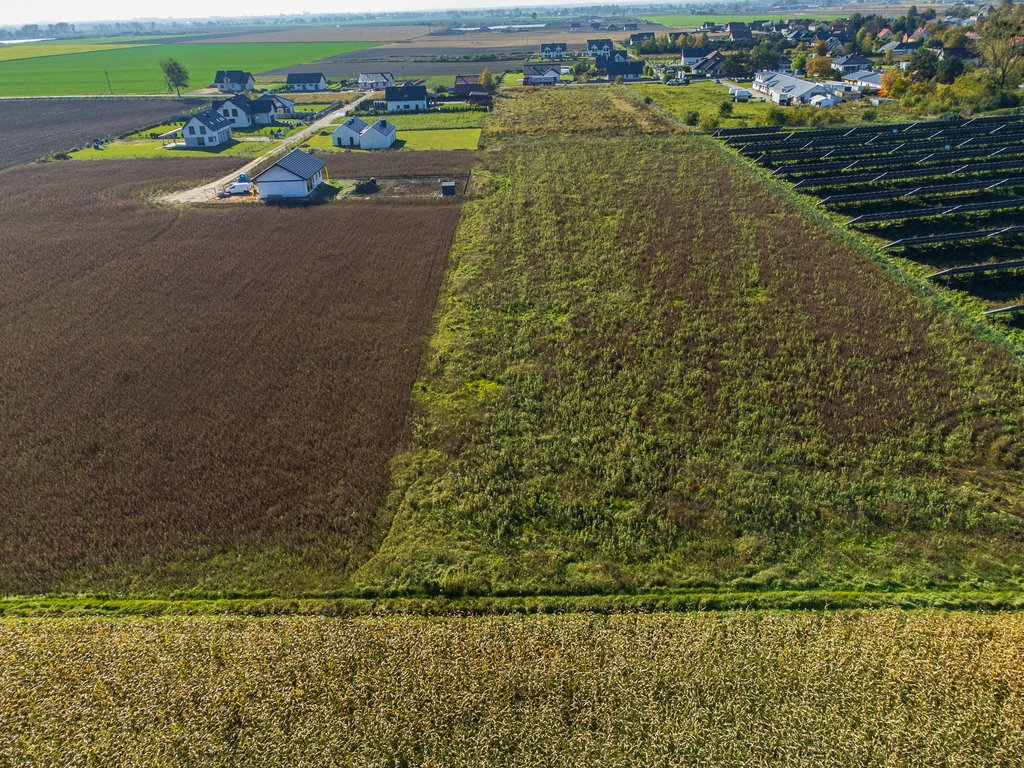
column 211, row 392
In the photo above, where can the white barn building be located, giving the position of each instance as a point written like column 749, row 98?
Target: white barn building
column 293, row 176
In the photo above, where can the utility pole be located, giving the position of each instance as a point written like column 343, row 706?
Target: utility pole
column 107, row 74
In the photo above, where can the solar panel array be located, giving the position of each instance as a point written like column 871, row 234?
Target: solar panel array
column 947, row 193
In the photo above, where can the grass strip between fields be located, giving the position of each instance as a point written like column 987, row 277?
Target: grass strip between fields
column 654, row 602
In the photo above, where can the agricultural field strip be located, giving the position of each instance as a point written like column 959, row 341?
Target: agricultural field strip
column 274, row 380
column 135, row 69
column 715, row 690
column 33, row 128
column 531, row 468
column 33, row 51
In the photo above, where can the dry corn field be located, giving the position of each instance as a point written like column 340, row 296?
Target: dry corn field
column 734, row 689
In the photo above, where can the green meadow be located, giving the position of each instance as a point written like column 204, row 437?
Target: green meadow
column 136, row 69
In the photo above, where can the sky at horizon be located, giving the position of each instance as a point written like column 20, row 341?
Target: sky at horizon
column 127, row 10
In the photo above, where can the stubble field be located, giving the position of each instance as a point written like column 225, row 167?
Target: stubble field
column 797, row 689
column 204, row 398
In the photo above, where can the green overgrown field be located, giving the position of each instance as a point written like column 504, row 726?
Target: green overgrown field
column 705, row 98
column 37, row 50
column 802, row 690
column 650, row 370
column 136, row 68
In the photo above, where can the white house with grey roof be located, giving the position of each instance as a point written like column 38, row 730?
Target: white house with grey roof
column 206, row 129
column 381, row 135
column 785, row 89
column 347, row 134
column 233, row 81
column 354, row 133
column 306, row 81
column 294, row 176
column 375, row 81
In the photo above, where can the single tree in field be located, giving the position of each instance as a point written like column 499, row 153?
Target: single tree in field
column 1000, row 44
column 923, row 64
column 175, row 75
column 949, row 69
column 487, row 81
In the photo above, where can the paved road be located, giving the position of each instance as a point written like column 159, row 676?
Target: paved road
column 208, row 192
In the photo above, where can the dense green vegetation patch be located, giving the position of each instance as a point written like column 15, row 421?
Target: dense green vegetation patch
column 651, row 370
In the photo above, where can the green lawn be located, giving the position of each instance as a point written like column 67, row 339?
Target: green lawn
column 134, row 150
column 705, row 98
column 135, row 69
column 438, row 120
column 452, row 138
column 62, row 48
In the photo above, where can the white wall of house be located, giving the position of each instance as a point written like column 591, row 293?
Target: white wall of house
column 277, row 182
column 374, row 139
column 320, row 86
column 198, row 135
column 344, row 136
column 238, row 118
column 408, row 106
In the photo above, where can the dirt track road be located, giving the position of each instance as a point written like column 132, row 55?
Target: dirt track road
column 207, row 193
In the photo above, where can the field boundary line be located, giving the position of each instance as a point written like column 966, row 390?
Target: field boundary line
column 680, row 601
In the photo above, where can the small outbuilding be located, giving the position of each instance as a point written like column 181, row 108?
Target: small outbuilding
column 294, row 176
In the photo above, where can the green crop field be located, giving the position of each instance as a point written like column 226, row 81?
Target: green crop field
column 135, row 68
column 37, row 50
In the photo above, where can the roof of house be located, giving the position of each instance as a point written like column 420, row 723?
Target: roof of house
column 232, row 76
column 247, row 105
column 302, row 78
column 541, row 70
column 377, row 76
column 354, row 123
column 852, row 59
column 212, row 119
column 382, row 126
column 599, row 41
column 467, row 79
column 406, row 92
column 864, row 76
column 793, row 87
column 275, row 97
column 300, row 163
column 552, row 46
column 616, row 68
column 640, row 36
column 696, row 53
